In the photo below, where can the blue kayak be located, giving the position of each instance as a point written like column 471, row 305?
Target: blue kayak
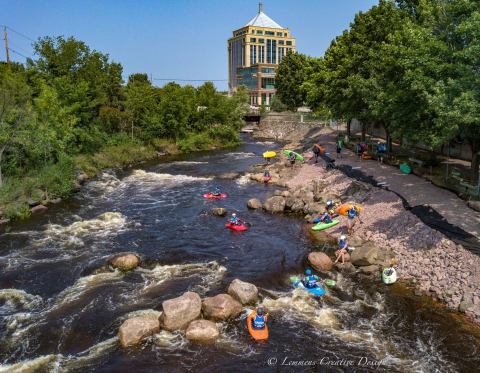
column 318, row 291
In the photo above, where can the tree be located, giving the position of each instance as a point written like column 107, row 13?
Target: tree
column 291, row 74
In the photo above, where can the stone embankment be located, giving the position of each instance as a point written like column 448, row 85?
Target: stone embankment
column 425, row 257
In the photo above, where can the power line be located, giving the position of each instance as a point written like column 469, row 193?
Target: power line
column 20, row 54
column 22, row 35
column 191, row 80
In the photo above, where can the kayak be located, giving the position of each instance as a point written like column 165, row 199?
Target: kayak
column 405, row 168
column 318, row 291
column 389, row 279
column 321, row 148
column 266, row 179
column 322, row 226
column 257, row 334
column 239, row 228
column 343, row 209
column 213, row 196
column 269, row 154
column 330, row 282
column 367, row 156
column 298, row 157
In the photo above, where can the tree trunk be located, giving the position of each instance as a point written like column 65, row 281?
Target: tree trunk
column 1, row 156
column 475, row 144
column 364, row 131
column 349, row 126
column 388, row 140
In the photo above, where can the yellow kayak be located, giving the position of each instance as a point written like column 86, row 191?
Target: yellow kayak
column 269, row 154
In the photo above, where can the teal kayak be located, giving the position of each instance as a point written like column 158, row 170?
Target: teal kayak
column 297, row 282
column 322, row 226
column 405, row 168
column 297, row 156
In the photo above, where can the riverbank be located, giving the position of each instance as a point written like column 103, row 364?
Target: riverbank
column 434, row 264
column 34, row 193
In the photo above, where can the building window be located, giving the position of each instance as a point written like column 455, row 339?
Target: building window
column 268, row 83
column 289, row 42
column 281, row 42
column 279, row 34
column 261, row 41
column 280, row 54
column 264, row 99
column 253, row 40
column 285, row 34
column 253, row 54
column 243, row 55
column 274, row 51
column 259, row 32
column 269, row 33
column 253, row 31
column 269, row 51
column 261, row 54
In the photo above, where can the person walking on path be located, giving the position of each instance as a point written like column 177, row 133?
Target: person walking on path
column 316, row 152
column 381, row 150
column 339, row 148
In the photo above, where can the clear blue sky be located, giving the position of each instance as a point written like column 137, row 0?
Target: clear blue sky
column 172, row 38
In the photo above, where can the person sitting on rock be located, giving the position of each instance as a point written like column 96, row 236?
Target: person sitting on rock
column 260, row 320
column 234, row 220
column 310, row 280
column 342, row 248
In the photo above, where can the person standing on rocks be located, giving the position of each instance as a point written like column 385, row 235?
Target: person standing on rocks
column 292, row 158
column 353, row 214
column 316, row 152
column 339, row 148
column 342, row 249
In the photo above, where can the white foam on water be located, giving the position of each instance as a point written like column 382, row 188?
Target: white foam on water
column 243, row 180
column 89, row 356
column 264, row 142
column 166, row 178
column 15, row 297
column 42, row 363
column 185, row 163
column 170, row 340
column 240, row 155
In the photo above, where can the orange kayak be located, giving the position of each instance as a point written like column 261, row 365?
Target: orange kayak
column 343, row 209
column 257, row 334
column 321, row 148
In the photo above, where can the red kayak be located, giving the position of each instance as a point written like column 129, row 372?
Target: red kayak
column 235, row 227
column 213, row 196
column 266, row 179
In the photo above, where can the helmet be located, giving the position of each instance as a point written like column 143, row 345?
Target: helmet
column 260, row 311
column 329, row 202
column 343, row 237
column 308, row 271
column 234, row 214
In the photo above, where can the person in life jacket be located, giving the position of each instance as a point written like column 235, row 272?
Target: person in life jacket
column 352, row 214
column 216, row 191
column 326, row 218
column 234, row 219
column 310, row 280
column 316, row 152
column 330, row 208
column 342, row 248
column 266, row 174
column 381, row 150
column 292, row 158
column 260, row 320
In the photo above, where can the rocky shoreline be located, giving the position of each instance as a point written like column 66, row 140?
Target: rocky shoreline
column 435, row 265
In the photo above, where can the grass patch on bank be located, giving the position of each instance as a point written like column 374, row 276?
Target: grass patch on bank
column 58, row 180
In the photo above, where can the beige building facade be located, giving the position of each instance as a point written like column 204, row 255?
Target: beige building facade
column 254, row 53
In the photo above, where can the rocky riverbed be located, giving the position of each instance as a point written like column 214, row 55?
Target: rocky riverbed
column 425, row 257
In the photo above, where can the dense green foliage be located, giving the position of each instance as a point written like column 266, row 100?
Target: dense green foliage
column 69, row 110
column 411, row 66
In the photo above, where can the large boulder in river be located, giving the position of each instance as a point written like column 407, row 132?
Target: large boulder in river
column 244, row 292
column 364, row 255
column 254, row 203
column 125, row 262
column 229, row 175
column 204, row 331
column 313, row 208
column 40, row 209
column 297, row 206
column 221, row 307
column 274, row 204
column 219, row 211
column 320, row 261
column 133, row 330
column 179, row 312
column 257, row 177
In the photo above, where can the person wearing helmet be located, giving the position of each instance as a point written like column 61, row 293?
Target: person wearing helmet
column 352, row 214
column 330, row 207
column 234, row 220
column 342, row 248
column 216, row 191
column 326, row 218
column 310, row 280
column 260, row 320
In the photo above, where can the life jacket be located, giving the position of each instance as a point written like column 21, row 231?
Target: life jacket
column 352, row 213
column 382, row 147
column 342, row 244
column 259, row 322
column 327, row 218
column 310, row 281
column 234, row 220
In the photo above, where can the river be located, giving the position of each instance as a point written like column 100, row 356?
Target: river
column 60, row 306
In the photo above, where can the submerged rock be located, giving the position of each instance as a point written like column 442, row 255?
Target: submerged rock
column 320, row 261
column 219, row 211
column 221, row 307
column 244, row 292
column 125, row 262
column 254, row 204
column 133, row 330
column 202, row 331
column 274, row 204
column 179, row 312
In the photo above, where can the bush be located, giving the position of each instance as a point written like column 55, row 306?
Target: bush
column 17, row 211
column 58, row 180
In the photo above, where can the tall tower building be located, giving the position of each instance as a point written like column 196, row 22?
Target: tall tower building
column 254, row 52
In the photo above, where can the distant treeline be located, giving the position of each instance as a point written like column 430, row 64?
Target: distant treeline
column 411, row 66
column 69, row 109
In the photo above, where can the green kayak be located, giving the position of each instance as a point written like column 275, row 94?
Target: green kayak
column 322, row 226
column 389, row 276
column 298, row 157
column 405, row 168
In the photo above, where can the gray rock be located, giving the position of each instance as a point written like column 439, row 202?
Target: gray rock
column 133, row 330
column 254, row 203
column 81, row 178
column 297, row 206
column 179, row 312
column 369, row 269
column 221, row 307
column 277, row 193
column 313, row 208
column 125, row 262
column 464, row 306
column 229, row 175
column 474, row 205
column 364, row 255
column 33, row 203
column 274, row 204
column 4, row 222
column 244, row 292
column 347, row 267
column 55, row 201
column 203, row 331
column 285, row 194
column 219, row 211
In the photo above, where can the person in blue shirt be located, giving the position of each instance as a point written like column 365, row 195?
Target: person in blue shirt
column 310, row 280
column 326, row 218
column 381, row 150
column 260, row 320
column 342, row 248
column 353, row 214
column 234, row 219
column 216, row 191
column 266, row 173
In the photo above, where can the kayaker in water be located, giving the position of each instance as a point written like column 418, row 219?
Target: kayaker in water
column 259, row 321
column 353, row 214
column 216, row 192
column 234, row 220
column 310, row 280
column 342, row 248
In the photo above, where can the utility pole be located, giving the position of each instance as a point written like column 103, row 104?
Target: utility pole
column 6, row 44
